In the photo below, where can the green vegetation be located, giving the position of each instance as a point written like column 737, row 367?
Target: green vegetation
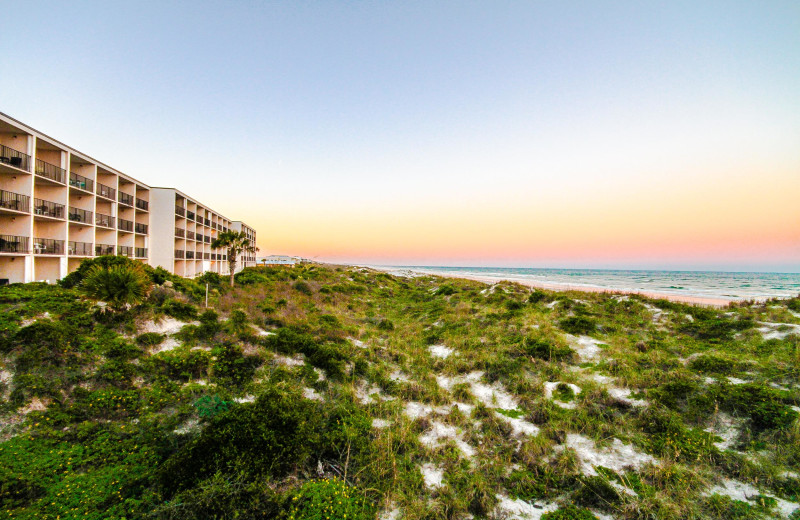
column 324, row 392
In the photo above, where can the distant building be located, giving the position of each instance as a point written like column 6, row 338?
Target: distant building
column 278, row 260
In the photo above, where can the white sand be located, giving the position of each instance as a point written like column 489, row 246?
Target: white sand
column 727, row 428
column 518, row 509
column 310, row 393
column 399, row 376
column 550, row 386
column 624, row 395
column 440, row 432
column 432, row 475
column 289, row 361
column 617, row 456
column 742, row 491
column 520, row 426
column 245, row 399
column 770, row 330
column 380, row 423
column 440, row 351
column 587, row 348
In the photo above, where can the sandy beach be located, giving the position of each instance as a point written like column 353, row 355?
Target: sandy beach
column 695, row 300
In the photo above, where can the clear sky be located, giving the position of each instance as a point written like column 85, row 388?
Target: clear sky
column 525, row 133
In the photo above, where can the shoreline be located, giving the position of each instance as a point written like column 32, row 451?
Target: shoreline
column 707, row 301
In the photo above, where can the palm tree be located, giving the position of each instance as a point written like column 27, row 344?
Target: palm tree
column 236, row 243
column 120, row 286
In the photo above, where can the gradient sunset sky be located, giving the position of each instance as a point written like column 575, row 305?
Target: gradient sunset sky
column 535, row 134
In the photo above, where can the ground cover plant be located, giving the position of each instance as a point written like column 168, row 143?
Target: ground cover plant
column 321, row 391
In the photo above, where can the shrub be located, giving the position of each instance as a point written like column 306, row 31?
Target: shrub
column 303, row 287
column 569, row 512
column 237, row 321
column 150, row 339
column 715, row 329
column 209, row 406
column 231, row 365
column 597, row 492
column 385, row 325
column 179, row 310
column 328, row 499
column 121, row 286
column 538, row 296
column 513, row 305
column 578, row 325
column 711, row 364
column 543, row 349
column 446, row 290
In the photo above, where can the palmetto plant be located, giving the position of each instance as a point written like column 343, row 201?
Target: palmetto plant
column 235, row 243
column 120, row 286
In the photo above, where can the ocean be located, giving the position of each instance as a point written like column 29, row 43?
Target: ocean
column 693, row 284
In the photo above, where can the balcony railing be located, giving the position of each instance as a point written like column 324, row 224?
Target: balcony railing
column 199, row 219
column 15, row 201
column 190, row 255
column 104, row 220
column 206, row 256
column 124, row 225
column 190, row 235
column 80, row 215
column 46, row 208
column 198, row 237
column 180, row 232
column 207, row 222
column 106, row 191
column 140, row 228
column 142, row 204
column 50, row 171
column 48, row 246
column 190, row 215
column 103, row 249
column 126, row 199
column 141, row 252
column 13, row 244
column 180, row 211
column 81, row 182
column 79, row 248
column 207, row 239
column 14, row 158
column 180, row 253
column 124, row 251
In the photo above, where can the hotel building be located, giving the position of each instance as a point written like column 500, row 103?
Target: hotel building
column 59, row 206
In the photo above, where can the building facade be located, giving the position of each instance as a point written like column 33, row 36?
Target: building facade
column 59, row 206
column 245, row 259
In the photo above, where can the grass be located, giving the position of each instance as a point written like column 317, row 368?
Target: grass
column 308, row 384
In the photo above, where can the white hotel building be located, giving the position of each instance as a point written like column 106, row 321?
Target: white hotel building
column 59, row 206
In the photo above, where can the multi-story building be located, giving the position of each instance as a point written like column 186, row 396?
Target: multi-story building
column 59, row 206
column 245, row 259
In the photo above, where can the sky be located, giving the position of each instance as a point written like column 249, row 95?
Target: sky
column 498, row 133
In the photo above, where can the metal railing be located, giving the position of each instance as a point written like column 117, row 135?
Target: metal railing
column 126, row 199
column 106, row 191
column 50, row 171
column 140, row 228
column 80, row 215
column 190, row 255
column 104, row 220
column 48, row 246
column 13, row 244
column 206, row 256
column 180, row 253
column 207, row 239
column 81, row 182
column 198, row 237
column 180, row 232
column 79, row 249
column 180, row 211
column 190, row 215
column 124, row 225
column 190, row 235
column 199, row 219
column 207, row 222
column 142, row 204
column 124, row 251
column 15, row 201
column 46, row 208
column 141, row 252
column 15, row 158
column 103, row 249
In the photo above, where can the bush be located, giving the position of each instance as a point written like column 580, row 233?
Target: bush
column 716, row 329
column 150, row 339
column 120, row 286
column 231, row 365
column 303, row 287
column 543, row 349
column 578, row 325
column 711, row 364
column 180, row 310
column 209, row 406
column 538, row 296
column 328, row 499
column 385, row 325
column 596, row 492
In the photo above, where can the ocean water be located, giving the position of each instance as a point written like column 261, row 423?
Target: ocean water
column 702, row 284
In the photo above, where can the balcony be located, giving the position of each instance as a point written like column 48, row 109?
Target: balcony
column 142, row 204
column 106, row 191
column 180, row 232
column 13, row 244
column 124, row 225
column 206, row 256
column 180, row 211
column 81, row 182
column 48, row 246
column 106, row 221
column 207, row 239
column 199, row 219
column 79, row 249
column 207, row 222
column 198, row 237
column 190, row 255
column 141, row 252
column 126, row 199
column 124, row 251
column 80, row 216
column 14, row 158
column 190, row 235
column 103, row 249
column 190, row 215
column 15, row 201
column 45, row 208
column 180, row 254
column 140, row 228
column 51, row 172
